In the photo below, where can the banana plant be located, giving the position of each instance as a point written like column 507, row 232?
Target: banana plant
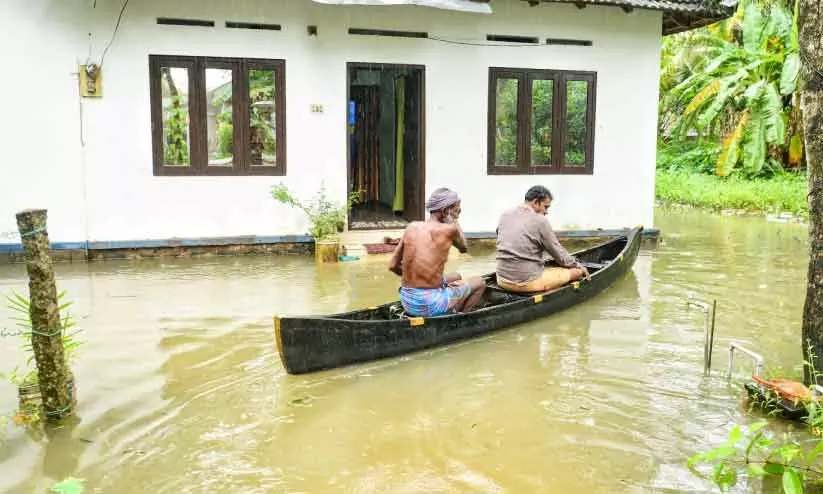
column 735, row 81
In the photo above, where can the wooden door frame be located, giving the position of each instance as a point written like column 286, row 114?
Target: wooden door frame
column 421, row 144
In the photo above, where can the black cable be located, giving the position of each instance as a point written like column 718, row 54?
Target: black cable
column 472, row 43
column 113, row 34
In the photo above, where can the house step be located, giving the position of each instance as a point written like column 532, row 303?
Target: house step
column 354, row 240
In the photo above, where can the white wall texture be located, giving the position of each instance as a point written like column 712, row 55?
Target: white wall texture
column 102, row 187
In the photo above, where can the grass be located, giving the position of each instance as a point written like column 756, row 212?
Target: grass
column 781, row 193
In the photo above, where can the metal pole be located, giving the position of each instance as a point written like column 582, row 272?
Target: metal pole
column 711, row 337
column 692, row 302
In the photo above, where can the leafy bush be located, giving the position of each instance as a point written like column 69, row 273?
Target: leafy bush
column 687, row 156
column 784, row 192
column 327, row 217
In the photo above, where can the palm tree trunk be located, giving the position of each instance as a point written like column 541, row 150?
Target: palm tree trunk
column 810, row 29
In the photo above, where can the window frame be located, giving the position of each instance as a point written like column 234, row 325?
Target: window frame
column 525, row 79
column 198, row 119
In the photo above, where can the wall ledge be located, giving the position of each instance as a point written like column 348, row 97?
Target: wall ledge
column 242, row 245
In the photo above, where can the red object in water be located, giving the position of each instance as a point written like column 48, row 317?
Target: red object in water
column 790, row 390
column 379, row 248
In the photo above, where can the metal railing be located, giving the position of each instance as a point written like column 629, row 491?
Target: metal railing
column 756, row 357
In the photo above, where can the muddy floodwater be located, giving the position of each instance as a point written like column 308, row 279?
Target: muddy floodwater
column 181, row 390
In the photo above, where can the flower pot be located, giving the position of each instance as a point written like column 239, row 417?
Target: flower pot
column 28, row 396
column 326, row 250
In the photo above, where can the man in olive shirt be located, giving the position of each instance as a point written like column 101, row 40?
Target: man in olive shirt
column 523, row 234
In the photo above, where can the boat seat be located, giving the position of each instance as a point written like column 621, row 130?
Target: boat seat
column 594, row 265
column 497, row 289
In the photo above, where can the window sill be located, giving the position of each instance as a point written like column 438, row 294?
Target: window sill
column 186, row 172
column 543, row 170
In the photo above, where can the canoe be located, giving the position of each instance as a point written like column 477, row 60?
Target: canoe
column 314, row 343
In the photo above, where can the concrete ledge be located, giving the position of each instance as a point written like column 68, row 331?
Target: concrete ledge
column 234, row 246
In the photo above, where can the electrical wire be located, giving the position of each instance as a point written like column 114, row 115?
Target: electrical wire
column 475, row 43
column 113, row 34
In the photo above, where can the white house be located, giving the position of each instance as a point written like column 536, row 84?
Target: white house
column 202, row 105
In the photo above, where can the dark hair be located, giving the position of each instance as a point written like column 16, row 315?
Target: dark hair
column 538, row 192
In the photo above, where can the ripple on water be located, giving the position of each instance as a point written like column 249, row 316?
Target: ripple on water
column 181, row 389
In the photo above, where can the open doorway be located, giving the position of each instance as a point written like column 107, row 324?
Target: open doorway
column 385, row 144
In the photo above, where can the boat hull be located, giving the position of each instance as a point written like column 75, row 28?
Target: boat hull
column 310, row 344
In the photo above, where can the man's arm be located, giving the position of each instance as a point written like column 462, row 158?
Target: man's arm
column 458, row 239
column 554, row 248
column 396, row 261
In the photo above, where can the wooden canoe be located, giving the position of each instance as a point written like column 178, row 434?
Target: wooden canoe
column 314, row 343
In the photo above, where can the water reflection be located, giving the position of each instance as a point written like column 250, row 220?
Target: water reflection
column 181, row 389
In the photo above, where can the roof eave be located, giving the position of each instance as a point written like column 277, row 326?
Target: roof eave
column 678, row 22
column 675, row 20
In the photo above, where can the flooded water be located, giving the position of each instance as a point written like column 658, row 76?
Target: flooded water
column 181, row 390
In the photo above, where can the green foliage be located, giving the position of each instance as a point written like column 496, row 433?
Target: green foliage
column 541, row 119
column 784, row 192
column 261, row 95
column 27, row 374
column 687, row 156
column 70, row 485
column 327, row 217
column 733, row 82
column 541, row 138
column 176, row 130
column 505, row 151
column 176, row 127
column 263, row 142
column 225, row 138
column 759, row 453
column 576, row 112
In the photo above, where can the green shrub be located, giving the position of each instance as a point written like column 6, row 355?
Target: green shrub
column 784, row 192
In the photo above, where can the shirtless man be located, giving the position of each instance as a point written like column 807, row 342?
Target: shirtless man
column 421, row 255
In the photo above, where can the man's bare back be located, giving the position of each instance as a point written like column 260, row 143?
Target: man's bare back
column 421, row 256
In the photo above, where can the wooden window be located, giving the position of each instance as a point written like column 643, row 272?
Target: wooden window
column 217, row 116
column 540, row 121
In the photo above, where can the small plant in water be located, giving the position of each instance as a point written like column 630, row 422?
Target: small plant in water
column 25, row 375
column 755, row 452
column 327, row 218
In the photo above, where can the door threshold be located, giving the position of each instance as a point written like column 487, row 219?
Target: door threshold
column 378, row 225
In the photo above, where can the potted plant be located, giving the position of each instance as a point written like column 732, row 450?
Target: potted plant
column 25, row 376
column 327, row 219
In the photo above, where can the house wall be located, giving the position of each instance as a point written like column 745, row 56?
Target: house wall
column 90, row 162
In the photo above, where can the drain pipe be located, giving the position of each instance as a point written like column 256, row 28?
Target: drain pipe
column 708, row 329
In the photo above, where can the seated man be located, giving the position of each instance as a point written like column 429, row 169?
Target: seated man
column 523, row 234
column 421, row 255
